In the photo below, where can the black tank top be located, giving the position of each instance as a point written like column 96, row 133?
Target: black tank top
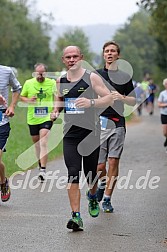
column 116, row 112
column 78, row 122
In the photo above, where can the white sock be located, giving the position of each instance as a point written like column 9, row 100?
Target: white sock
column 107, row 196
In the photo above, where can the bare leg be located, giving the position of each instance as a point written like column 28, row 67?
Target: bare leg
column 2, row 169
column 93, row 189
column 74, row 196
column 164, row 128
column 101, row 169
column 44, row 134
column 112, row 175
column 35, row 140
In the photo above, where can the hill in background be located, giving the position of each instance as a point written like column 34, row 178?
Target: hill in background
column 97, row 34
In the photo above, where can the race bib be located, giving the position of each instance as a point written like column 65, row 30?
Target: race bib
column 103, row 122
column 71, row 108
column 40, row 111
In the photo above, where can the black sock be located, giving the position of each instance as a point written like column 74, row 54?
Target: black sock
column 92, row 196
column 75, row 214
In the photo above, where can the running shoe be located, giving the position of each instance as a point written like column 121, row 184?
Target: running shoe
column 5, row 191
column 100, row 192
column 42, row 175
column 106, row 206
column 75, row 223
column 93, row 206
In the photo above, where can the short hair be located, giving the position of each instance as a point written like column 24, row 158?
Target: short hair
column 111, row 43
column 164, row 81
column 41, row 64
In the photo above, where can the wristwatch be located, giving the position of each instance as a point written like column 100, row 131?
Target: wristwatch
column 92, row 102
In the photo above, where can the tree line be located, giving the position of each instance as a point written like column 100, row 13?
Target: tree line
column 25, row 39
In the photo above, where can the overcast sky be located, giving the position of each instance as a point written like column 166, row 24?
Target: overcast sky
column 85, row 12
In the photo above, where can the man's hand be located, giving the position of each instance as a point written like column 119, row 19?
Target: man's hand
column 54, row 115
column 10, row 111
column 82, row 103
column 117, row 96
column 33, row 99
column 2, row 100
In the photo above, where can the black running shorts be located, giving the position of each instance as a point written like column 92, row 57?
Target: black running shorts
column 163, row 119
column 34, row 129
column 4, row 134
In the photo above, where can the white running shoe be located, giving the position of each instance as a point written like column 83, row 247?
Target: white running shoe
column 42, row 175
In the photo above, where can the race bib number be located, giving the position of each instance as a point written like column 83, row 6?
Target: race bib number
column 71, row 108
column 103, row 122
column 40, row 111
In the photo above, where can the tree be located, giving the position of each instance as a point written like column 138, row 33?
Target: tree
column 158, row 27
column 25, row 39
column 135, row 42
column 76, row 37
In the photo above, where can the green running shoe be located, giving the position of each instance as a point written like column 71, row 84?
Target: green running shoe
column 93, row 206
column 75, row 223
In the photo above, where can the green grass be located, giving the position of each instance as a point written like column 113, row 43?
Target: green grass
column 20, row 140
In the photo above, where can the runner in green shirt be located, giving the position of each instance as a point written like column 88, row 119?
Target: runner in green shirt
column 39, row 93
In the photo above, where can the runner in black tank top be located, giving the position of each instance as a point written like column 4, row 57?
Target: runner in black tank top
column 79, row 123
column 79, row 90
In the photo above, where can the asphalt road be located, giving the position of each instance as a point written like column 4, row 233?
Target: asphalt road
column 35, row 219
